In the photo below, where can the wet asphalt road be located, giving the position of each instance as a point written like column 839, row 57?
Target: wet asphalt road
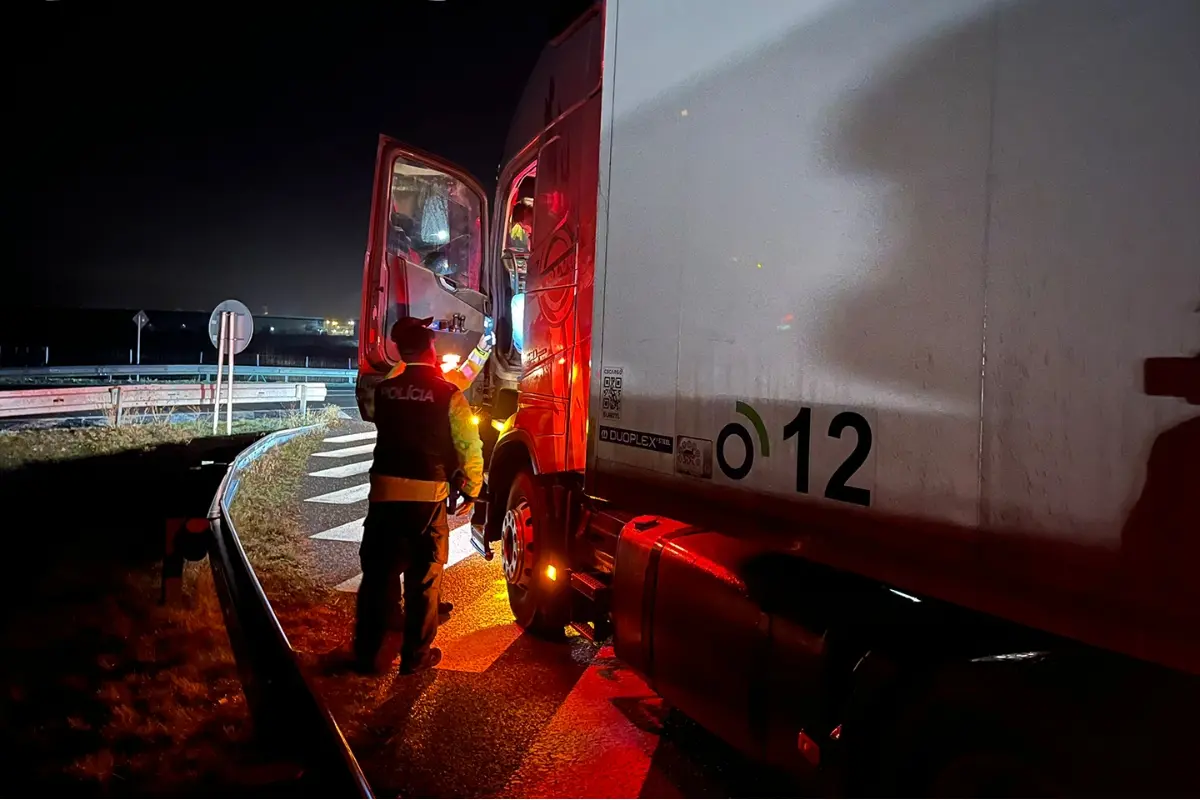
column 505, row 714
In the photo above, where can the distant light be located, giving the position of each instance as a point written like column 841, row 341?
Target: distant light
column 683, row 113
column 474, row 419
column 905, row 596
column 272, row 329
column 443, row 236
column 551, row 572
column 562, row 361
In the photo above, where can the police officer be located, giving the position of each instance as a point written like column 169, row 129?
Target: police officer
column 461, row 377
column 425, row 433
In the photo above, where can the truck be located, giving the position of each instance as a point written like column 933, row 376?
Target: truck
column 846, row 375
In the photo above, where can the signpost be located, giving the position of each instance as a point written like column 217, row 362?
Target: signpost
column 140, row 319
column 230, row 329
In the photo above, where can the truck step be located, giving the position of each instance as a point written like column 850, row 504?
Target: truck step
column 593, row 631
column 590, row 607
column 589, row 586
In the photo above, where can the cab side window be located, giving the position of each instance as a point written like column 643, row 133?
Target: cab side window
column 519, row 225
column 434, row 222
column 518, row 241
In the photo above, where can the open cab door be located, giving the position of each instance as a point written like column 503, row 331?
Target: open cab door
column 425, row 258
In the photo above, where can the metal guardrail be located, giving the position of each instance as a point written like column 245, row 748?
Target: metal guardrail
column 177, row 371
column 283, row 705
column 116, row 400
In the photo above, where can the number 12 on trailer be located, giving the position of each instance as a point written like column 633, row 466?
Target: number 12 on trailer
column 833, row 452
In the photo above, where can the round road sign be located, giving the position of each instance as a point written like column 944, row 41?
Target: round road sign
column 243, row 325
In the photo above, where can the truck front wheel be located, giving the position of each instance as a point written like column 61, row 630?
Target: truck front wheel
column 533, row 567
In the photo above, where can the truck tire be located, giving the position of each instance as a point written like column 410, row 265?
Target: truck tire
column 527, row 547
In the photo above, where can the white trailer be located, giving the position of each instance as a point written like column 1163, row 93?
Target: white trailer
column 894, row 271
column 857, row 393
column 885, row 285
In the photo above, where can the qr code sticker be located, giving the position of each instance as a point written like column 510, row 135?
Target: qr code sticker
column 610, row 393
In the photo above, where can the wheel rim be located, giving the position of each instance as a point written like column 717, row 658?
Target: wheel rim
column 516, row 541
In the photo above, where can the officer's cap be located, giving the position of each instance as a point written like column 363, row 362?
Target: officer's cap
column 412, row 335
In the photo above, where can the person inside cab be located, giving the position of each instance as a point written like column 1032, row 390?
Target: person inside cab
column 519, row 237
column 522, row 227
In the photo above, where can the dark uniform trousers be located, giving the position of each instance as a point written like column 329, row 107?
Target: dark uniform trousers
column 409, row 539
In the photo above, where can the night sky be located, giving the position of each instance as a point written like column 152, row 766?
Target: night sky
column 172, row 155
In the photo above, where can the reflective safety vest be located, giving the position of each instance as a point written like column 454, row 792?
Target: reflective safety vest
column 518, row 237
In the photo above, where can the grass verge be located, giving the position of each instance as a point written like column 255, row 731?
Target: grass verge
column 266, row 513
column 19, row 448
